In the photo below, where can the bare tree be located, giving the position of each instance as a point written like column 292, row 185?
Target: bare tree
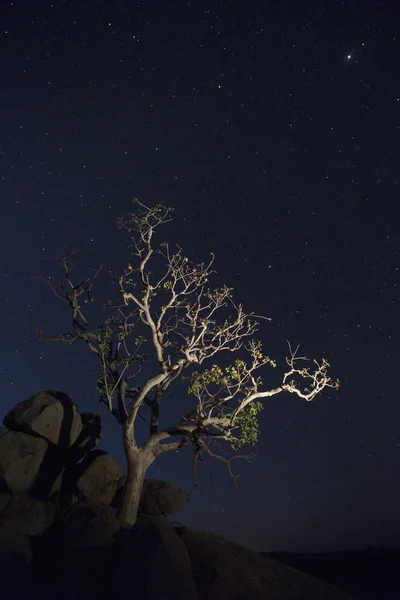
column 188, row 323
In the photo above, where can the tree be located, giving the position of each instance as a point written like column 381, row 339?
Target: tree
column 189, row 323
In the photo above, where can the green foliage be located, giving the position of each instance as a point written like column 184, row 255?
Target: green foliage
column 233, row 375
column 247, row 423
column 101, row 384
column 215, row 375
column 244, row 425
column 140, row 339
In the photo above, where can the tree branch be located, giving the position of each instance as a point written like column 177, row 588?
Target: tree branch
column 227, row 461
column 60, row 338
column 188, row 323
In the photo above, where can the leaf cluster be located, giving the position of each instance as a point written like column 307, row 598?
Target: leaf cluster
column 247, row 423
column 198, row 381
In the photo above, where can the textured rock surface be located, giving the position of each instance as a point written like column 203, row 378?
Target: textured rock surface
column 51, row 415
column 5, row 498
column 162, row 497
column 89, row 437
column 15, row 560
column 224, row 570
column 155, row 558
column 28, row 515
column 99, row 476
column 14, row 544
column 21, row 456
column 97, row 525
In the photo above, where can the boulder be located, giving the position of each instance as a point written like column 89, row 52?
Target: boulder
column 103, row 524
column 153, row 562
column 21, row 456
column 15, row 559
column 63, row 467
column 224, row 570
column 64, row 492
column 99, row 476
column 89, row 437
column 15, row 550
column 162, row 497
column 28, row 515
column 74, row 555
column 4, row 500
column 51, row 415
column 57, row 483
column 87, row 524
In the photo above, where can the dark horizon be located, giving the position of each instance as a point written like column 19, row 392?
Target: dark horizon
column 273, row 131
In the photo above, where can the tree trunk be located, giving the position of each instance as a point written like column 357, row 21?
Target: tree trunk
column 138, row 463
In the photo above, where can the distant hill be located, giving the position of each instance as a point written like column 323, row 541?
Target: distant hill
column 371, row 574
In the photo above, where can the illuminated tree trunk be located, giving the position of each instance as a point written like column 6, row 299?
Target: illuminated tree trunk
column 138, row 461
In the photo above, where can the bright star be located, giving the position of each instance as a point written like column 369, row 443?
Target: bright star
column 348, row 56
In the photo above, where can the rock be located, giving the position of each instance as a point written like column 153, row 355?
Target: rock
column 85, row 525
column 99, row 476
column 103, row 526
column 4, row 500
column 51, row 415
column 75, row 553
column 15, row 559
column 21, row 456
column 14, row 543
column 224, row 570
column 162, row 497
column 63, row 482
column 89, row 437
column 153, row 561
column 28, row 515
column 64, row 487
column 56, row 487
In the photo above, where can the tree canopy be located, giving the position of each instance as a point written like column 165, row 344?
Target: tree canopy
column 186, row 326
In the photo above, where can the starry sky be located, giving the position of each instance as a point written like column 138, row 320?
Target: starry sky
column 273, row 129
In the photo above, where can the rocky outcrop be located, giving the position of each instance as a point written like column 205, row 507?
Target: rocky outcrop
column 47, row 452
column 89, row 437
column 15, row 547
column 5, row 498
column 156, row 559
column 60, row 535
column 224, row 570
column 50, row 415
column 100, row 476
column 44, row 438
column 15, row 562
column 29, row 515
column 162, row 497
column 21, row 457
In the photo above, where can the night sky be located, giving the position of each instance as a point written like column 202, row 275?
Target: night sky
column 273, row 129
